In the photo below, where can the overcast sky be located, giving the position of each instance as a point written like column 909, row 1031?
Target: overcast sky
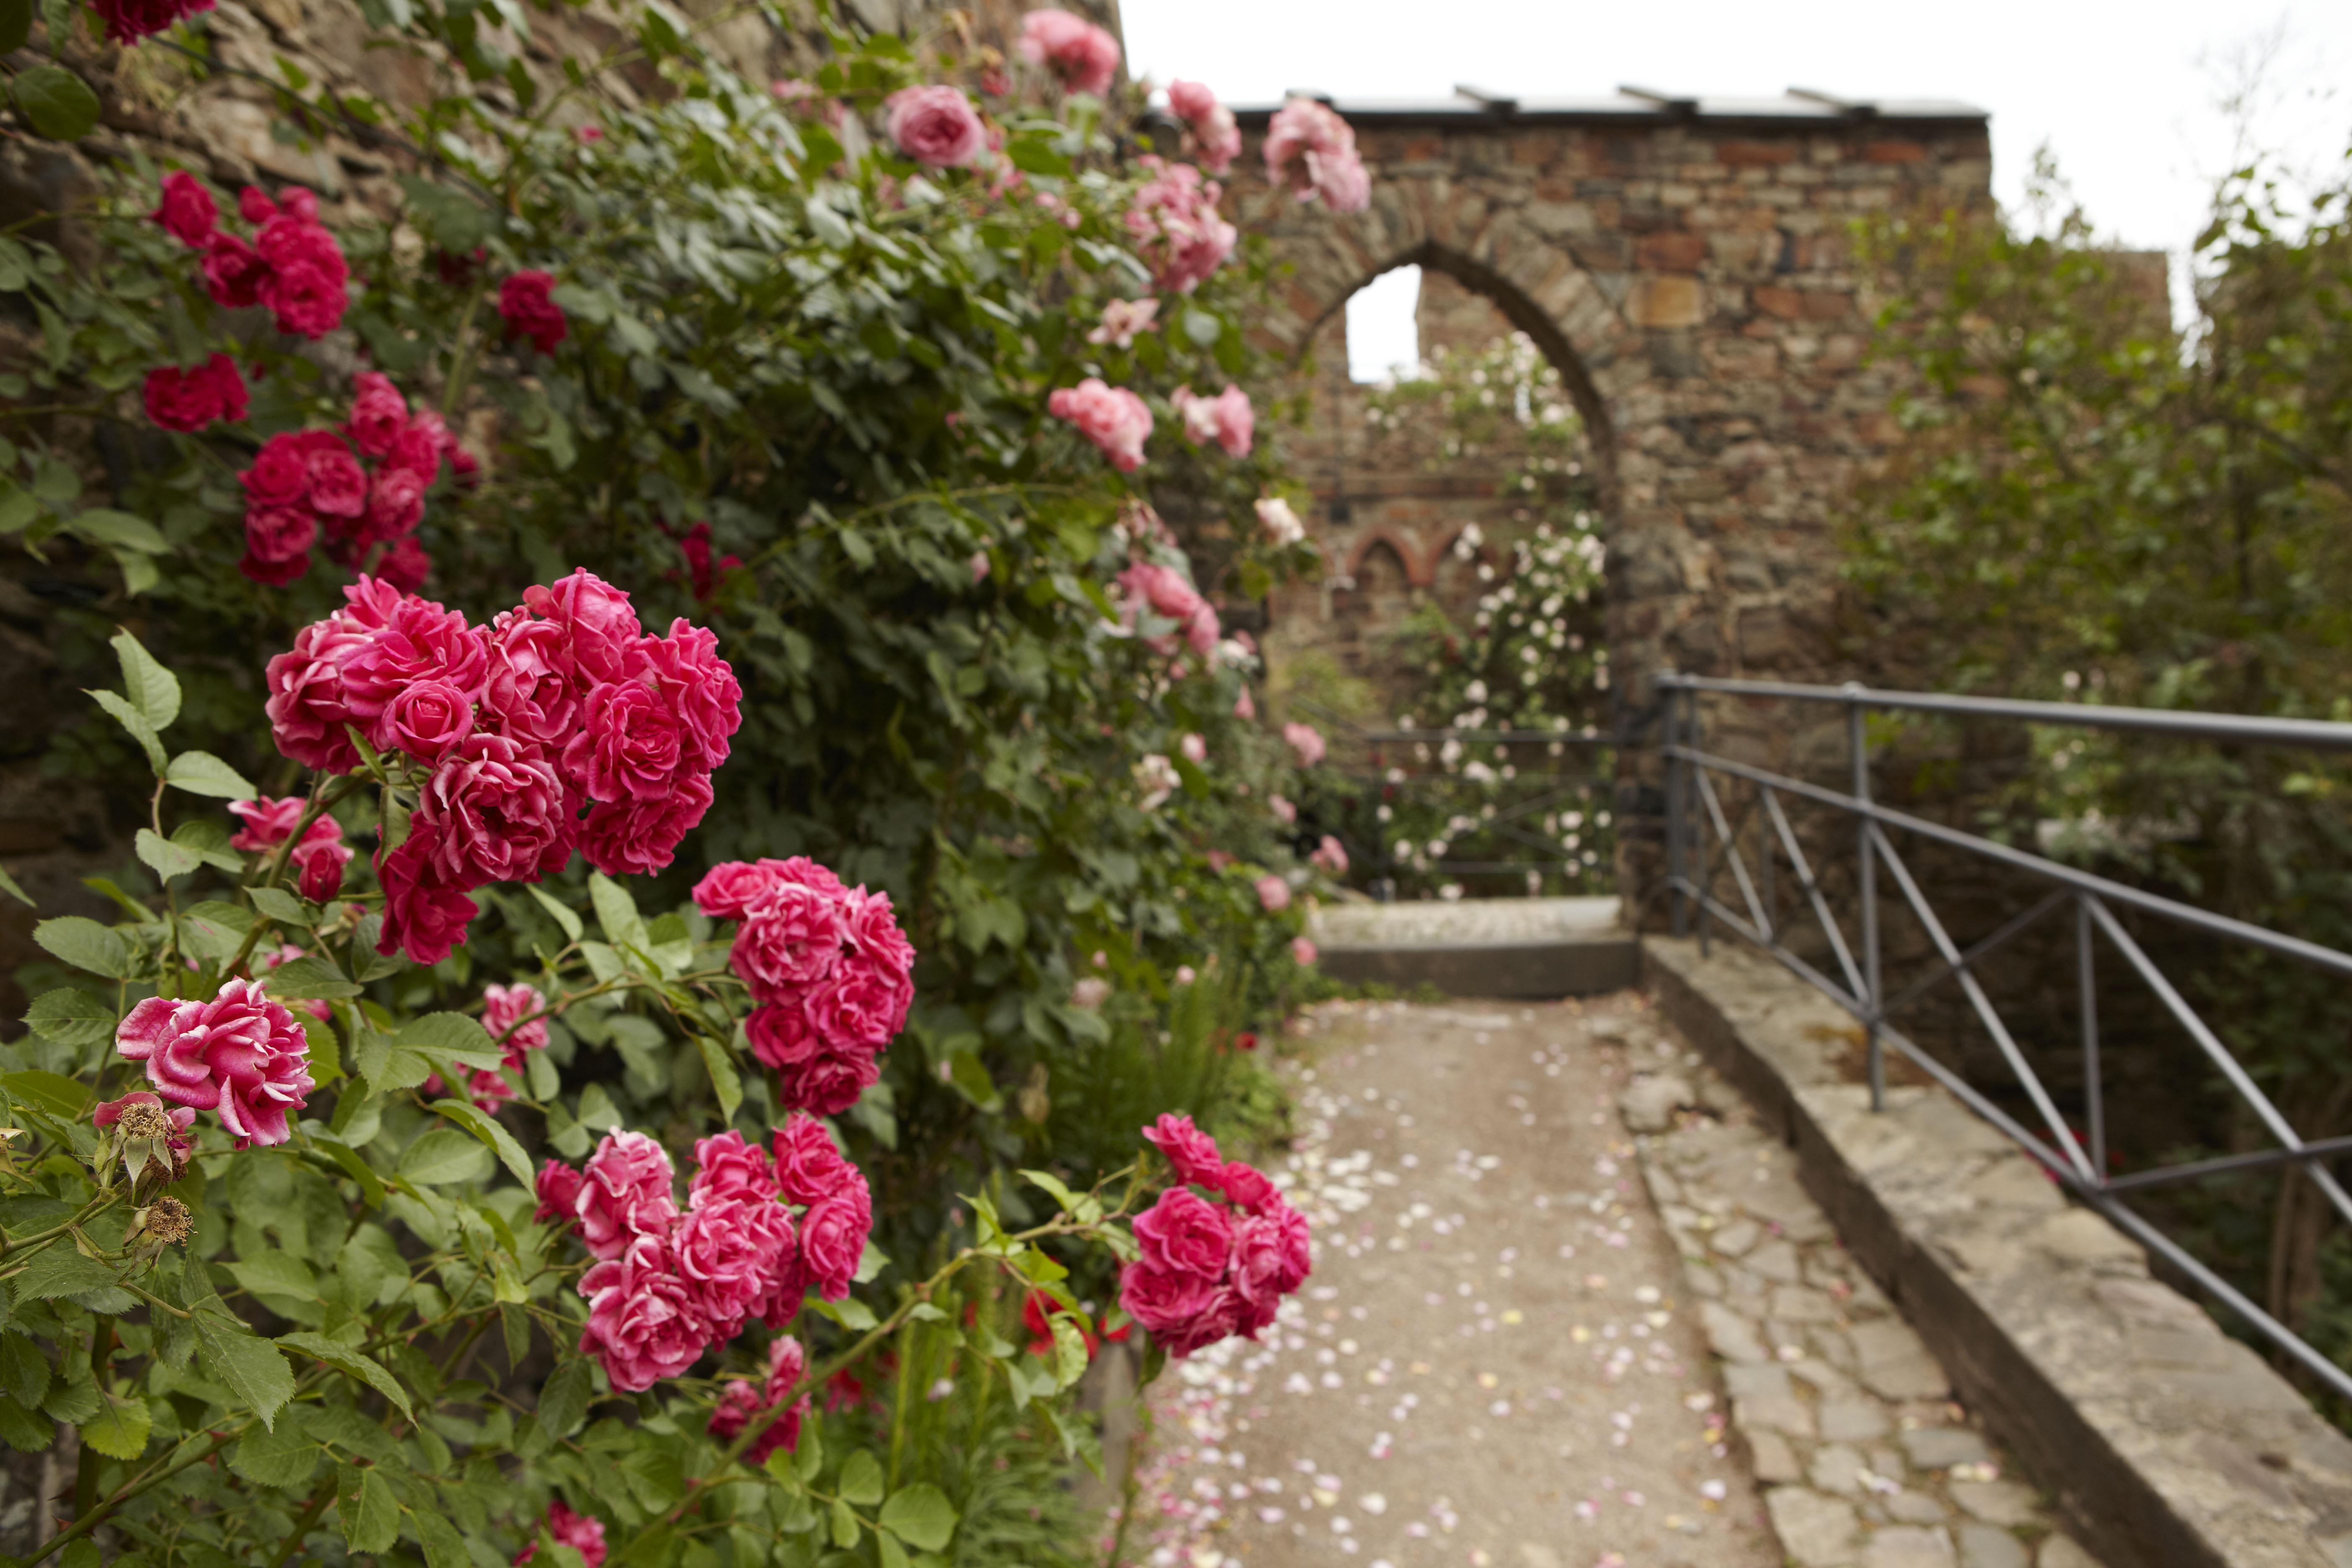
column 2129, row 96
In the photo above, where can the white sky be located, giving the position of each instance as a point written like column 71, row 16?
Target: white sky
column 2127, row 93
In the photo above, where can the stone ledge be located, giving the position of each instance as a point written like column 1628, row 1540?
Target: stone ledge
column 2165, row 1441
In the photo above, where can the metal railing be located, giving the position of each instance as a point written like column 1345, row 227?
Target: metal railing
column 1698, row 827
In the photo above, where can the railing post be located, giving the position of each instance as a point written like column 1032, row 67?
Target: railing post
column 1704, row 880
column 2086, row 978
column 1874, row 994
column 1678, row 916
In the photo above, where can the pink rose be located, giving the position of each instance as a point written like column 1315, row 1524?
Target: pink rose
column 1330, row 855
column 1200, row 631
column 583, row 1534
column 642, row 1325
column 809, row 1165
column 307, row 300
column 625, row 1193
column 728, row 1252
column 1247, row 1186
column 1082, row 55
column 559, row 1193
column 1225, row 419
column 1303, row 952
column 1284, row 811
column 1273, row 893
column 627, row 745
column 829, row 1080
column 240, row 1054
column 338, row 485
column 127, row 21
column 528, row 694
column 277, row 541
column 428, row 720
column 405, row 566
column 935, row 125
column 791, row 939
column 873, row 927
column 833, row 1240
column 1313, row 151
column 319, row 863
column 1244, row 706
column 1113, row 418
column 1176, row 227
column 1305, row 742
column 638, row 838
column 1181, row 1311
column 503, row 1007
column 781, row 1034
column 527, row 304
column 726, row 1168
column 1183, row 1233
column 730, row 889
column 423, row 642
column 698, row 688
column 493, row 812
column 597, row 623
column 1293, row 1250
column 187, row 211
column 857, row 1006
column 188, row 400
column 742, row 1403
column 267, row 823
column 233, row 271
column 1191, row 1152
column 293, row 236
column 1215, row 135
column 395, row 502
column 423, row 917
column 1122, row 319
column 418, row 447
column 378, row 413
column 280, row 471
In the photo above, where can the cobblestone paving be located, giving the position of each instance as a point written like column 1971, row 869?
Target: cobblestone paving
column 1503, row 1358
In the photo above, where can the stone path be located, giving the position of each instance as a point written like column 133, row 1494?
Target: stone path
column 1536, row 1338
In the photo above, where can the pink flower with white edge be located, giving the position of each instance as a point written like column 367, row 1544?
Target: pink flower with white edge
column 1305, row 742
column 1313, row 151
column 1330, row 855
column 240, row 1055
column 729, row 1251
column 267, row 822
column 1113, row 418
column 1195, row 747
column 833, row 1239
column 1273, row 893
column 1283, row 812
column 1303, row 952
column 643, row 1322
column 1215, row 135
column 624, row 1195
column 726, row 1168
column 1176, row 227
column 1225, row 419
column 580, row 1531
column 1191, row 1152
column 809, row 1165
column 503, row 1007
column 1082, row 55
column 1122, row 319
column 1280, row 524
column 790, row 940
column 935, row 125
column 493, row 812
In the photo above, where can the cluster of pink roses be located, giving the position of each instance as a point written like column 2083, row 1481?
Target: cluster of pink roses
column 831, row 970
column 1083, row 55
column 1310, row 149
column 669, row 1285
column 515, row 1016
column 1176, row 225
column 1112, row 418
column 1164, row 591
column 582, row 1532
column 305, row 484
column 318, row 861
column 292, row 266
column 240, row 1054
column 561, row 703
column 1210, row 1270
column 742, row 1402
column 1216, row 138
column 1228, row 418
column 1305, row 742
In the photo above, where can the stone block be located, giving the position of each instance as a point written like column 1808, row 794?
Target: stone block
column 1941, row 1447
column 2061, row 1551
column 1995, row 1502
column 1909, row 1546
column 1671, row 252
column 1733, row 1336
column 1986, row 1546
column 1854, row 1421
column 1650, row 1101
column 1895, row 1362
column 1816, row 1532
column 1836, row 1468
column 1665, row 301
column 1775, row 1460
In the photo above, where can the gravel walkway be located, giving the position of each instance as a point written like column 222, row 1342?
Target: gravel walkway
column 1524, row 1322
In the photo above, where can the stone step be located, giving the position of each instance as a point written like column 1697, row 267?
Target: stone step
column 1514, row 948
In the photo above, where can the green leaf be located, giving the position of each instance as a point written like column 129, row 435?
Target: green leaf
column 150, row 689
column 444, row 1155
column 573, row 929
column 57, row 103
column 15, row 25
column 201, row 773
column 307, row 979
column 59, row 1270
column 9, row 884
column 24, row 1369
column 165, row 858
column 1034, row 154
column 248, row 1366
column 70, row 1018
column 24, row 1431
column 487, row 1128
column 208, row 841
column 85, row 944
column 276, row 1274
column 346, row 1359
column 124, row 531
column 617, row 913
column 126, row 713
column 844, row 1525
column 1069, row 1351
column 444, row 1547
column 968, row 1077
column 285, row 1458
column 365, row 1507
column 462, row 1039
column 279, row 905
column 723, row 1078
column 893, row 1555
column 921, row 1516
column 563, row 1398
column 861, row 1478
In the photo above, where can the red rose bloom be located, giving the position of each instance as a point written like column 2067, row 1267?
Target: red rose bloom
column 422, row 918
column 726, row 1168
column 627, row 746
column 527, row 306
column 188, row 400
column 529, row 692
column 395, row 503
column 833, row 1240
column 428, row 718
column 1191, row 1152
column 277, row 541
column 405, row 566
column 781, row 1034
column 497, row 814
column 1184, row 1233
column 319, row 864
column 698, row 688
column 423, row 642
column 559, row 1193
column 307, row 300
column 233, row 272
column 339, row 486
column 830, row 1080
column 127, row 21
column 809, row 1165
column 638, row 838
column 601, row 627
column 642, row 1322
column 378, row 413
column 187, row 211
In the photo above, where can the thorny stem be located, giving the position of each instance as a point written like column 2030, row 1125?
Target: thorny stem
column 319, row 1501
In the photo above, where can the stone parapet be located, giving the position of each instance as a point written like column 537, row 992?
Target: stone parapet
column 2163, row 1440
